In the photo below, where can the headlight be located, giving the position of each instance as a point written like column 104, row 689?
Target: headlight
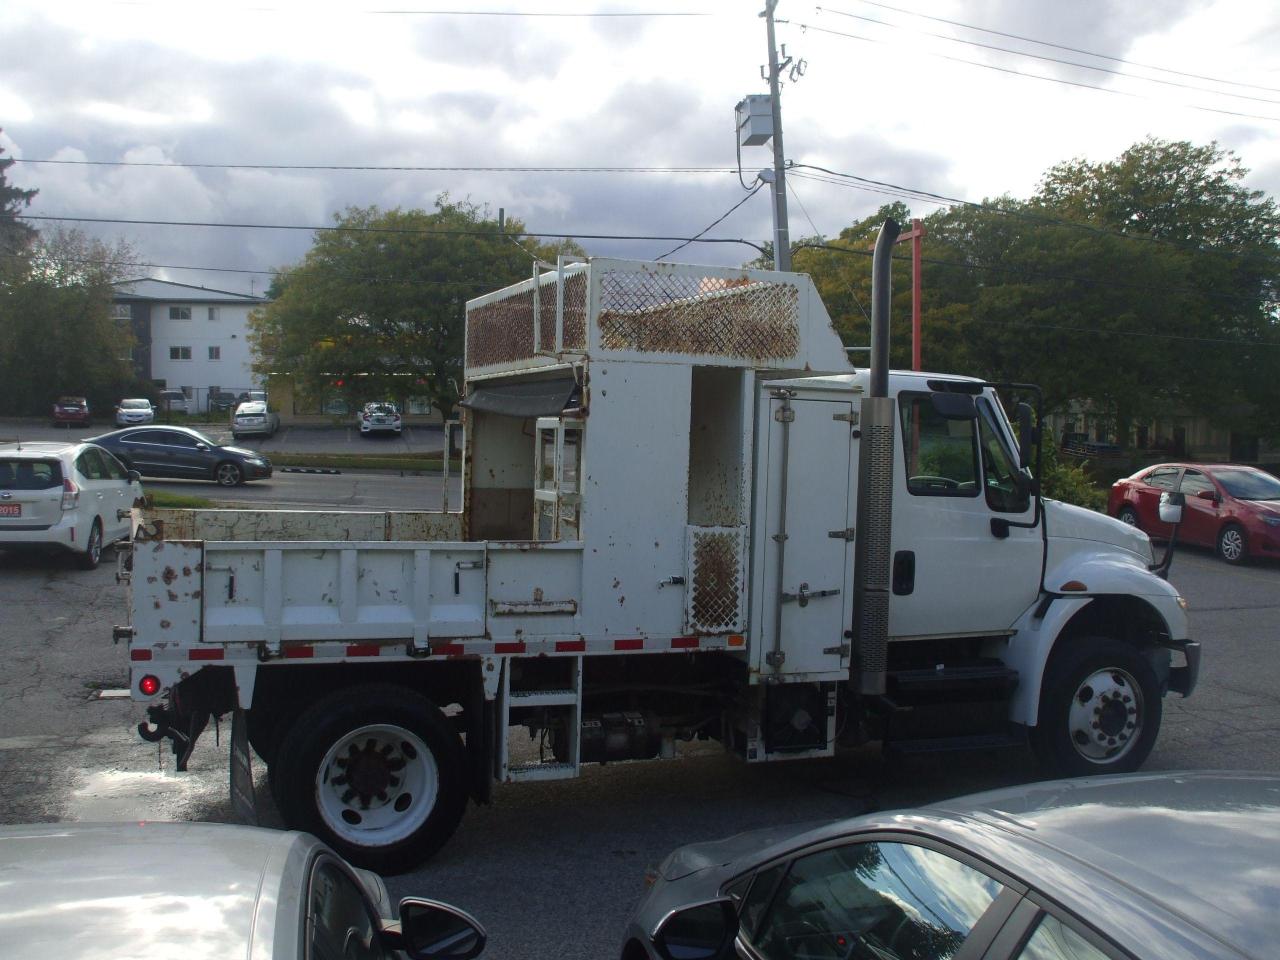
column 255, row 461
column 1182, row 602
column 1271, row 521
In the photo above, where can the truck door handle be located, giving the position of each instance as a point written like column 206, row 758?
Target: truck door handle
column 805, row 595
column 464, row 565
column 904, row 572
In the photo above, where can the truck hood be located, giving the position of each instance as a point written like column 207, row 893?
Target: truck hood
column 1065, row 521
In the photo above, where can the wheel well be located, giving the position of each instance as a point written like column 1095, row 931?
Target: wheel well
column 1128, row 619
column 634, row 950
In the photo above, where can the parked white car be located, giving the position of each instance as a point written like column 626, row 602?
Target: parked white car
column 254, row 418
column 379, row 417
column 131, row 412
column 64, row 496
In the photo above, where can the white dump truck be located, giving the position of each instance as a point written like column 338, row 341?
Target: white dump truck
column 684, row 515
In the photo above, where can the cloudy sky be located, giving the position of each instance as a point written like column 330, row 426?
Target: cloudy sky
column 150, row 91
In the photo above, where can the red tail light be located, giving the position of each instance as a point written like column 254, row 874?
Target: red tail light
column 149, row 685
column 70, row 494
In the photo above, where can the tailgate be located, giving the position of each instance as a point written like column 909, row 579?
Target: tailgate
column 30, row 493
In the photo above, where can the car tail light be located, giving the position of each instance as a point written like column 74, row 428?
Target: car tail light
column 396, row 417
column 365, row 415
column 70, row 494
column 149, row 685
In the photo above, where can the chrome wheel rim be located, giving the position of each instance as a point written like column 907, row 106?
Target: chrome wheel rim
column 1106, row 715
column 1129, row 517
column 377, row 785
column 1231, row 543
column 95, row 544
column 228, row 474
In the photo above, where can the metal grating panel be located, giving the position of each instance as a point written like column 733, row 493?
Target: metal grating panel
column 716, row 592
column 501, row 331
column 692, row 314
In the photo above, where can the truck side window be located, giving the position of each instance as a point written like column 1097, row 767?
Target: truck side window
column 941, row 455
column 1005, row 485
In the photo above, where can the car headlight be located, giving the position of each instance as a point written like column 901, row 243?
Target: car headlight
column 1271, row 521
column 1182, row 602
column 255, row 461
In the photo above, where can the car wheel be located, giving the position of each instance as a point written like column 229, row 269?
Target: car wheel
column 378, row 772
column 1232, row 545
column 228, row 474
column 1130, row 516
column 92, row 553
column 1100, row 708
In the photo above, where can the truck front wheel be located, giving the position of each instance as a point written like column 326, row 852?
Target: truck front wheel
column 1100, row 708
column 377, row 772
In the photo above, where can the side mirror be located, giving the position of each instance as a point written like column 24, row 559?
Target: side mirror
column 1211, row 495
column 430, row 930
column 1171, row 502
column 704, row 931
column 134, row 476
column 954, row 406
column 202, row 446
column 1026, row 435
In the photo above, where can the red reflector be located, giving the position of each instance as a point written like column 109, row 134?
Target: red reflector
column 363, row 649
column 299, row 653
column 205, row 654
column 446, row 649
column 149, row 686
column 508, row 648
column 571, row 646
column 683, row 643
column 139, row 654
column 628, row 644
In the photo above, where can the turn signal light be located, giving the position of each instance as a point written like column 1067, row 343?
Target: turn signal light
column 149, row 685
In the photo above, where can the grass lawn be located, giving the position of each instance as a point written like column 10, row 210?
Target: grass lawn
column 408, row 462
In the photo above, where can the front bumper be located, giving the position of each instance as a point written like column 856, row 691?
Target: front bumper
column 254, row 472
column 1183, row 679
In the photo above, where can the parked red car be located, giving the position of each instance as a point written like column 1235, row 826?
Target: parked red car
column 1232, row 508
column 71, row 410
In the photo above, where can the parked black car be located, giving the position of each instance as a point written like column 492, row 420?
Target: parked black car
column 156, row 451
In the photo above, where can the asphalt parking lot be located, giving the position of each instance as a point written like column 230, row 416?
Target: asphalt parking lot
column 553, row 869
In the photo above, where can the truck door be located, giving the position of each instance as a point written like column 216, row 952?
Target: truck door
column 809, row 516
column 954, row 572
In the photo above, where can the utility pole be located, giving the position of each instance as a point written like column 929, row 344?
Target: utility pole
column 915, row 236
column 781, row 234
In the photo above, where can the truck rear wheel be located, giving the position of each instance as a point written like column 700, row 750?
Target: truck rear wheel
column 377, row 772
column 1100, row 708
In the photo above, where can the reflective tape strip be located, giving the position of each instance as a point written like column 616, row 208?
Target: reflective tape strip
column 206, row 654
column 139, row 654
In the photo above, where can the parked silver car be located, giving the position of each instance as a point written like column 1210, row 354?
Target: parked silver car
column 1176, row 866
column 202, row 890
column 135, row 410
column 380, row 417
column 253, row 418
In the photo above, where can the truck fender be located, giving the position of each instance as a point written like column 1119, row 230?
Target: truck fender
column 1108, row 575
column 1028, row 652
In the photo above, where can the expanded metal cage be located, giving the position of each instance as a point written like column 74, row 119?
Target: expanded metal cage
column 717, row 590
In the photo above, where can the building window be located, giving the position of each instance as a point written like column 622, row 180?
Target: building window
column 179, row 313
column 121, row 311
column 213, row 315
column 179, row 353
column 215, row 353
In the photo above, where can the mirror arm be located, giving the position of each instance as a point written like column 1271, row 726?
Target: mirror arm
column 390, row 934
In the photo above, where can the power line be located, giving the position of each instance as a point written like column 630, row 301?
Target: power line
column 714, row 223
column 380, row 230
column 818, row 233
column 393, row 168
column 1036, row 76
column 602, row 14
column 1056, row 46
column 1058, row 60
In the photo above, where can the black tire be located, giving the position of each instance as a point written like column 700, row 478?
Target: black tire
column 1233, row 544
column 1100, row 708
column 228, row 474
column 1127, row 514
column 409, row 760
column 88, row 558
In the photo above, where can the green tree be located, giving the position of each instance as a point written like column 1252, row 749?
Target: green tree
column 57, row 335
column 15, row 236
column 378, row 305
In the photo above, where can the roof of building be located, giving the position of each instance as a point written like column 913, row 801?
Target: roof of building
column 147, row 288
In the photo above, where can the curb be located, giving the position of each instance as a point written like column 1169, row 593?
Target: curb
column 308, row 470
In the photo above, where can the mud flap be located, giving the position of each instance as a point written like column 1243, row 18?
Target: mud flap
column 243, row 800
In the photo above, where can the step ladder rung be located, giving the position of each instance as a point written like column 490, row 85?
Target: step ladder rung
column 542, row 771
column 543, row 698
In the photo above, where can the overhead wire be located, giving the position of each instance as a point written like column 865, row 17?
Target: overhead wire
column 1048, row 59
column 715, row 223
column 818, row 233
column 1037, row 76
column 390, row 168
column 1056, row 46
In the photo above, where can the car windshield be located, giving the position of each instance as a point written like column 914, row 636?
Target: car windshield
column 135, row 404
column 22, row 474
column 1249, row 484
column 381, row 408
column 258, row 408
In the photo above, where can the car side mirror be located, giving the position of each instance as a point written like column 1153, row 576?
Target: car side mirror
column 1026, row 435
column 1171, row 502
column 430, row 930
column 1208, row 495
column 202, row 446
column 134, row 476
column 704, row 931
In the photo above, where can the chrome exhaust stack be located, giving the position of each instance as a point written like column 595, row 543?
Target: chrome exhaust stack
column 871, row 566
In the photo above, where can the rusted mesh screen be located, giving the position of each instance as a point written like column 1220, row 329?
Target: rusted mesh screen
column 501, row 331
column 716, row 579
column 672, row 313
